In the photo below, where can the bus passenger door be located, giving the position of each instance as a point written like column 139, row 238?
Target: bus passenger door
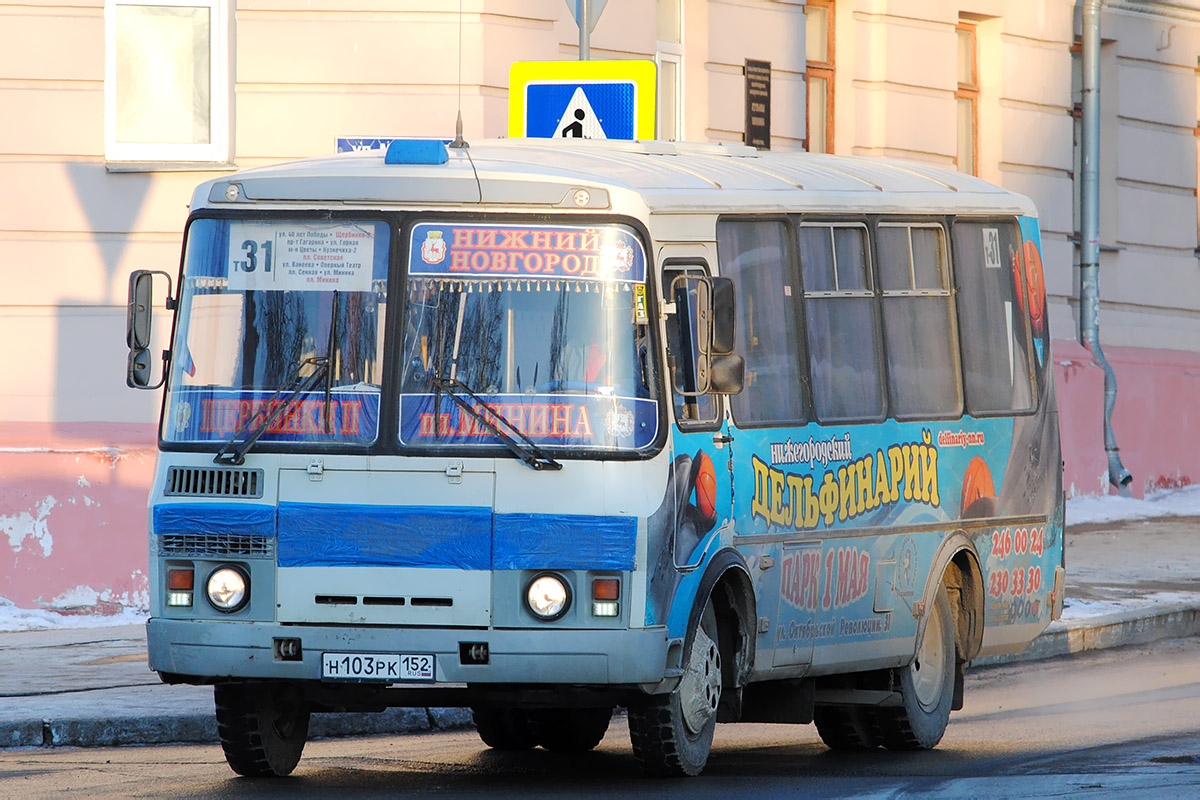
column 700, row 460
column 697, row 493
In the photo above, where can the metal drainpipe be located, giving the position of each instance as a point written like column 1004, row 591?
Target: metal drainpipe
column 1089, row 257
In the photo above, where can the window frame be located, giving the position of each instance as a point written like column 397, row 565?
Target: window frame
column 798, row 321
column 388, row 352
column 868, row 225
column 671, row 51
column 970, row 93
column 1035, row 389
column 824, row 70
column 684, row 265
column 948, row 291
column 148, row 156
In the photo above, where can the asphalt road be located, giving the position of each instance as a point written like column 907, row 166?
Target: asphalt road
column 1123, row 722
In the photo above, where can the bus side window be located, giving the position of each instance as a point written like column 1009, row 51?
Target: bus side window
column 757, row 255
column 993, row 318
column 690, row 411
column 918, row 331
column 843, row 333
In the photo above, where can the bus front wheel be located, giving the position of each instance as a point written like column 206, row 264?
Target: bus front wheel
column 672, row 734
column 263, row 727
column 926, row 686
column 504, row 728
column 570, row 730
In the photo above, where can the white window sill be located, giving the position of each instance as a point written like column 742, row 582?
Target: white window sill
column 170, row 166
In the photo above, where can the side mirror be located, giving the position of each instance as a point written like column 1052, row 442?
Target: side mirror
column 705, row 314
column 728, row 374
column 724, row 314
column 693, row 334
column 138, row 328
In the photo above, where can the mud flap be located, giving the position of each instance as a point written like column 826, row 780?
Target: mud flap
column 960, row 678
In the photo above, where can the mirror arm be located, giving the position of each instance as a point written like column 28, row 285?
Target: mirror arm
column 166, row 359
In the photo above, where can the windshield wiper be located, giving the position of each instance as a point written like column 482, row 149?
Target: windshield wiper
column 331, row 350
column 234, row 452
column 528, row 452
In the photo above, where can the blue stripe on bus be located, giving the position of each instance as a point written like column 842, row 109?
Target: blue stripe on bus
column 323, row 535
column 545, row 541
column 220, row 519
column 469, row 537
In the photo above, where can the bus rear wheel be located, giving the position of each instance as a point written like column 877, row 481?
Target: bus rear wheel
column 263, row 727
column 926, row 686
column 504, row 728
column 570, row 730
column 846, row 727
column 672, row 734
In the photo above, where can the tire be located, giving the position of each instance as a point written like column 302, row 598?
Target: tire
column 263, row 727
column 672, row 734
column 846, row 727
column 504, row 728
column 926, row 686
column 569, row 730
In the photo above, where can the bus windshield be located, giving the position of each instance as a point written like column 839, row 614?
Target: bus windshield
column 264, row 303
column 544, row 327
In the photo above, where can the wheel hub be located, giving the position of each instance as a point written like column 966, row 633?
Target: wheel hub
column 928, row 671
column 700, row 689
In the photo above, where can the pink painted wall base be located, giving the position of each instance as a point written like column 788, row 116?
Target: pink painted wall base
column 73, row 516
column 1156, row 420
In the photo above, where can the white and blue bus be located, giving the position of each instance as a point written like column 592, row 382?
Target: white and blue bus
column 547, row 428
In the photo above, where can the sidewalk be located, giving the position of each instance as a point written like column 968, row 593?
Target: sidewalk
column 1127, row 583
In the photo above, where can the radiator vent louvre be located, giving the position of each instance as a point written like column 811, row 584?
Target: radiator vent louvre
column 213, row 482
column 200, row 545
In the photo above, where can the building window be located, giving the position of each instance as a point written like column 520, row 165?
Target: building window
column 669, row 57
column 166, row 85
column 966, row 99
column 818, row 27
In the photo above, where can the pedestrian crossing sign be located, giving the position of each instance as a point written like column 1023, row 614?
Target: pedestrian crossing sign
column 582, row 99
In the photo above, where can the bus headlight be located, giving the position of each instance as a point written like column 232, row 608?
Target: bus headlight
column 228, row 588
column 548, row 597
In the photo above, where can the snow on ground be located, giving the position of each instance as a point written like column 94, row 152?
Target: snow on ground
column 1076, row 610
column 36, row 619
column 1183, row 502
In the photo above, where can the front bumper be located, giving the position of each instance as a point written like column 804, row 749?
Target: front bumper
column 208, row 650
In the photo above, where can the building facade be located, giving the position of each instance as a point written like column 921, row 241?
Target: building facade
column 114, row 111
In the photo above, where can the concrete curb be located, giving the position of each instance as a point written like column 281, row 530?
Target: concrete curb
column 1136, row 626
column 202, row 728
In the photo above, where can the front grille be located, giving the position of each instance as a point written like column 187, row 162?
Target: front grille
column 199, row 545
column 213, row 482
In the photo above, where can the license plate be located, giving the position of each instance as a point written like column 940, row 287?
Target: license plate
column 377, row 666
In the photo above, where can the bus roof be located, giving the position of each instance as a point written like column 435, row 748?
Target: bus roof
column 667, row 177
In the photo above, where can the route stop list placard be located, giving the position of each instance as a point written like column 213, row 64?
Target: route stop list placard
column 301, row 256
